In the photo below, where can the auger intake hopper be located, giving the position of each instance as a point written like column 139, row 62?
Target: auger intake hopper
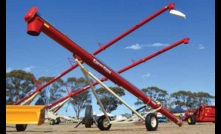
column 22, row 114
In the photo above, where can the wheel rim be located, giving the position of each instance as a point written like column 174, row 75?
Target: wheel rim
column 153, row 122
column 105, row 123
column 188, row 120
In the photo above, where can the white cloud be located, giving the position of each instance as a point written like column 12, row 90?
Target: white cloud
column 28, row 69
column 139, row 46
column 201, row 46
column 158, row 45
column 145, row 75
column 134, row 47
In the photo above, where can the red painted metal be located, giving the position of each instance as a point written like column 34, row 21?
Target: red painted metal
column 170, row 6
column 36, row 24
column 185, row 40
column 205, row 113
column 35, row 30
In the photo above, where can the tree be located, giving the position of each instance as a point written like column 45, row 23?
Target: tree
column 182, row 98
column 191, row 100
column 204, row 98
column 55, row 89
column 110, row 102
column 82, row 99
column 18, row 84
column 156, row 94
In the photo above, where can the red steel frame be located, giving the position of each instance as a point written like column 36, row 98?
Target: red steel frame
column 205, row 113
column 36, row 24
column 71, row 94
column 31, row 14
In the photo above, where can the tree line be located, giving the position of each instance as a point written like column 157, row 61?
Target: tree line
column 20, row 83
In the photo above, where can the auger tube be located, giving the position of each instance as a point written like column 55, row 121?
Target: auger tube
column 36, row 24
column 142, row 60
column 33, row 11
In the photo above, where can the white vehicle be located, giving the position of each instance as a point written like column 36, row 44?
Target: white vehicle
column 68, row 119
column 55, row 118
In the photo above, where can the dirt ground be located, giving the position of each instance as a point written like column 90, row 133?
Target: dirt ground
column 119, row 128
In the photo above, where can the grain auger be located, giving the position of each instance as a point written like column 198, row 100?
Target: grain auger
column 36, row 25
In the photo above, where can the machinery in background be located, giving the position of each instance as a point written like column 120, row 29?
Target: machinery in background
column 204, row 113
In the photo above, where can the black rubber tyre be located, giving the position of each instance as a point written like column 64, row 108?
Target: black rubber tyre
column 88, row 119
column 57, row 120
column 21, row 127
column 102, row 123
column 52, row 122
column 191, row 120
column 151, row 122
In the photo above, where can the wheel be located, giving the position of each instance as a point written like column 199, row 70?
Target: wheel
column 103, row 124
column 88, row 119
column 57, row 120
column 52, row 122
column 21, row 127
column 151, row 122
column 191, row 120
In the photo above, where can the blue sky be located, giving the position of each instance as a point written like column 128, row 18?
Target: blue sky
column 189, row 67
